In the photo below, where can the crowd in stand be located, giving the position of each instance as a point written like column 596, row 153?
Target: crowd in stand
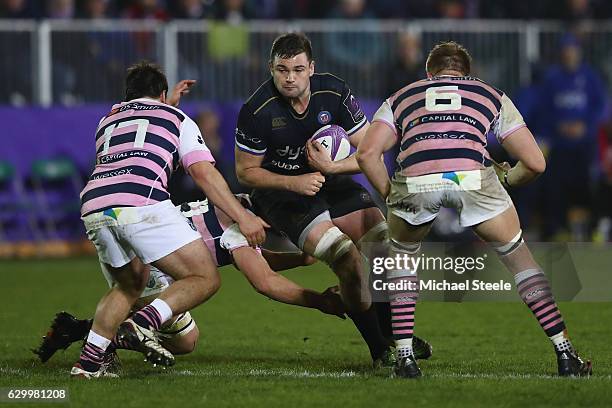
column 304, row 9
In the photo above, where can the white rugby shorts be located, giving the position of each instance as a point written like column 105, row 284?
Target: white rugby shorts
column 477, row 195
column 149, row 232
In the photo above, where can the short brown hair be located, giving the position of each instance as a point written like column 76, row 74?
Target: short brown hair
column 144, row 79
column 448, row 55
column 289, row 45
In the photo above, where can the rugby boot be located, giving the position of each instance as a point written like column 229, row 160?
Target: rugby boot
column 571, row 365
column 145, row 341
column 65, row 330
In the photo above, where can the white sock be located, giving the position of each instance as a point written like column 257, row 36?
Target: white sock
column 403, row 347
column 163, row 309
column 97, row 340
column 561, row 342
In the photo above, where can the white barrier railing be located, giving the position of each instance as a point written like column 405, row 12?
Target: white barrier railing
column 76, row 61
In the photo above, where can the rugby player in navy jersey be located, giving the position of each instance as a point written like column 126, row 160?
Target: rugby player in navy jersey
column 325, row 214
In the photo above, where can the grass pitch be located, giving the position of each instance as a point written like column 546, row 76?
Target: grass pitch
column 256, row 352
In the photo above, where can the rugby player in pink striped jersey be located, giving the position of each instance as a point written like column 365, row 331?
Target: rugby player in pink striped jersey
column 130, row 219
column 441, row 124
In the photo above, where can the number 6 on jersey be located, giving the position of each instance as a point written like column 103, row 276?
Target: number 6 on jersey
column 436, row 99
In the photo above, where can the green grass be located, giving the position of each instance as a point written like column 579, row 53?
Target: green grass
column 256, row 352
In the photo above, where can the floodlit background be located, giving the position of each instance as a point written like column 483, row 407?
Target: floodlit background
column 63, row 64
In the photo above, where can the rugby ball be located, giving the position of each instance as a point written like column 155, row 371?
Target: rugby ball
column 335, row 140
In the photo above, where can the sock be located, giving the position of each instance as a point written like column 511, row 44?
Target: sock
column 561, row 342
column 403, row 305
column 93, row 352
column 534, row 289
column 367, row 324
column 153, row 315
column 403, row 348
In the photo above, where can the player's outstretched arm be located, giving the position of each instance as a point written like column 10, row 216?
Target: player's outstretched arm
column 277, row 287
column 251, row 174
column 180, row 89
column 531, row 163
column 378, row 139
column 208, row 178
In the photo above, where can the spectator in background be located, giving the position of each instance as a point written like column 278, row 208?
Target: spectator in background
column 451, row 9
column 355, row 52
column 64, row 65
column 146, row 10
column 16, row 9
column 17, row 74
column 144, row 41
column 576, row 10
column 572, row 105
column 105, row 56
column 60, row 9
column 232, row 11
column 95, row 9
column 604, row 188
column 408, row 65
column 190, row 9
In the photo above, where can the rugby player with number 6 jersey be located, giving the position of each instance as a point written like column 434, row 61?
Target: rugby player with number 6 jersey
column 130, row 219
column 441, row 124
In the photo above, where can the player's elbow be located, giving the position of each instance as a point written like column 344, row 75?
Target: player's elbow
column 241, row 176
column 364, row 156
column 537, row 166
column 244, row 176
column 263, row 285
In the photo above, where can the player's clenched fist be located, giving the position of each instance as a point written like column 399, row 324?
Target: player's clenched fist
column 252, row 227
column 307, row 184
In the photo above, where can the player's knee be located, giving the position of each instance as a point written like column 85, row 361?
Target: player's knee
column 307, row 259
column 333, row 246
column 377, row 234
column 214, row 282
column 505, row 249
column 189, row 341
column 184, row 344
column 408, row 248
column 131, row 290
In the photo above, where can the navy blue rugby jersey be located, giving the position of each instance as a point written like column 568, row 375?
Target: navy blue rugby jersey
column 269, row 126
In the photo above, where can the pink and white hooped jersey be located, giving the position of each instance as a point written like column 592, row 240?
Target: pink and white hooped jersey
column 139, row 144
column 443, row 122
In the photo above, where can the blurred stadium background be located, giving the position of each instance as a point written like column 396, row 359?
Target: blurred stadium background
column 64, row 61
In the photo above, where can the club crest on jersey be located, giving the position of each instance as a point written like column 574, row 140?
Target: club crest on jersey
column 324, row 117
column 279, row 122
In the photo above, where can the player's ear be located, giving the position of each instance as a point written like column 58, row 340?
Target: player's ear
column 311, row 68
column 163, row 97
column 270, row 67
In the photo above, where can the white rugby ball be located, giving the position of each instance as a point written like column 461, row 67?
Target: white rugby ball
column 335, row 141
